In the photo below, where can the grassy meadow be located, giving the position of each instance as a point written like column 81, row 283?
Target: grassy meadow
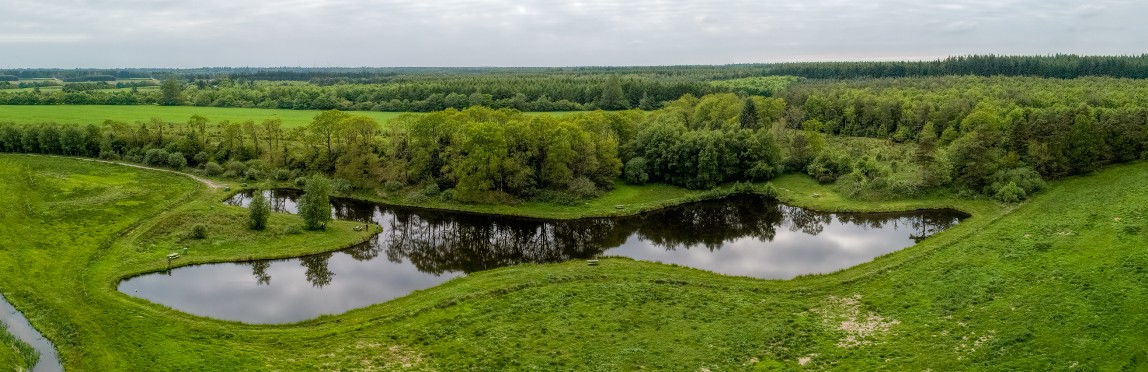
column 95, row 114
column 1057, row 283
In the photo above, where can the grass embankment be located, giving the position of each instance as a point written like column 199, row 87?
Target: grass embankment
column 1058, row 283
column 16, row 354
column 623, row 200
column 72, row 229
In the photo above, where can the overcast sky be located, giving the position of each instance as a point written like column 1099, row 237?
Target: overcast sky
column 198, row 33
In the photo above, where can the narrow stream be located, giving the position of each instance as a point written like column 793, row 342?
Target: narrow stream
column 18, row 326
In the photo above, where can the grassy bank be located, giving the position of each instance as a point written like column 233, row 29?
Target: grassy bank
column 15, row 353
column 1055, row 284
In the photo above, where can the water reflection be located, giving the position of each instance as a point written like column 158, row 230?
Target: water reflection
column 749, row 235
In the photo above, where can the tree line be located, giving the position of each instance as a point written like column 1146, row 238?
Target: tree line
column 1002, row 137
column 529, row 89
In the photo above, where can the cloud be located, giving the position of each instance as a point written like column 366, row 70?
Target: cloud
column 92, row 33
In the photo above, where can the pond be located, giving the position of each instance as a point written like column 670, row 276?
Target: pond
column 745, row 235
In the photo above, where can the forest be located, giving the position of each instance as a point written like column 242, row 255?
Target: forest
column 1000, row 137
column 523, row 89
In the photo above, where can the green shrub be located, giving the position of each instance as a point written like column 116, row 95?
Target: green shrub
column 199, row 231
column 392, row 186
column 431, row 189
column 235, row 168
column 176, row 161
column 212, row 169
column 828, row 166
column 1010, row 193
column 155, row 157
column 1024, row 178
column 583, row 187
column 635, row 171
column 258, row 212
column 282, row 174
column 253, row 174
column 342, row 186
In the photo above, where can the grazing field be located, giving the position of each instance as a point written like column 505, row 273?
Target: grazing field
column 94, row 114
column 84, row 114
column 1059, row 282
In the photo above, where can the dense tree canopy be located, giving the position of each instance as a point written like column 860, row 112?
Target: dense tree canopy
column 996, row 136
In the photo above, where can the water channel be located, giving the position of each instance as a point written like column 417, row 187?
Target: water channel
column 18, row 326
column 418, row 249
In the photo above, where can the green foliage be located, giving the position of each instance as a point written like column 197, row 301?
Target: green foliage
column 748, row 117
column 1009, row 193
column 1024, row 179
column 212, row 168
column 258, row 212
column 198, row 231
column 16, row 353
column 635, row 172
column 315, row 204
column 171, row 92
column 176, row 160
column 757, row 86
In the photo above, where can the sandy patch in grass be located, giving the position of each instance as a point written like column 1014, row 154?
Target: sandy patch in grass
column 859, row 327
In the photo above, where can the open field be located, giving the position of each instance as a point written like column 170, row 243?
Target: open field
column 1056, row 283
column 85, row 114
column 94, row 114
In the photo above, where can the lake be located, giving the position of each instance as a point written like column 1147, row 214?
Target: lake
column 744, row 235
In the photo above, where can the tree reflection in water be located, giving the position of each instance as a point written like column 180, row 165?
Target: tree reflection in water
column 438, row 242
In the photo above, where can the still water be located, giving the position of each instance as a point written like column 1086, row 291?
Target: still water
column 418, row 249
column 18, row 326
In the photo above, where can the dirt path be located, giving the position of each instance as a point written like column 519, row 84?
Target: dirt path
column 209, row 183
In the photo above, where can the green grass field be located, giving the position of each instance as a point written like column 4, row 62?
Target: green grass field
column 1058, row 283
column 94, row 114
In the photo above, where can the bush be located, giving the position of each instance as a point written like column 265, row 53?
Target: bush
column 235, row 168
column 558, row 197
column 282, row 174
column 177, row 161
column 109, row 155
column 342, row 186
column 392, row 186
column 1010, row 193
column 199, row 231
column 300, row 181
column 258, row 212
column 827, row 166
column 202, row 157
column 583, row 187
column 1024, row 178
column 253, row 174
column 431, row 189
column 212, row 169
column 635, row 171
column 155, row 157
column 447, row 195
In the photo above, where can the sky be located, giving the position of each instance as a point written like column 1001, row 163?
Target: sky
column 383, row 33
